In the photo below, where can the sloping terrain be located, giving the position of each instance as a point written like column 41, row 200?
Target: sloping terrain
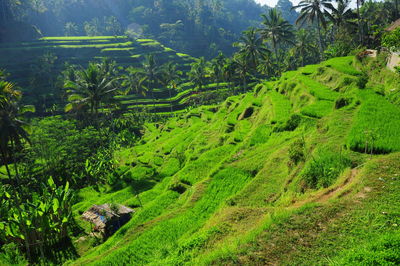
column 304, row 169
column 18, row 57
column 21, row 60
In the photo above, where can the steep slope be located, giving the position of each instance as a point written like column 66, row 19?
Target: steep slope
column 299, row 170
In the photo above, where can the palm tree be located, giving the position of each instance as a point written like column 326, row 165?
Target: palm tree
column 135, row 81
column 268, row 67
column 12, row 129
column 360, row 26
column 304, row 46
column 217, row 66
column 228, row 71
column 314, row 11
column 251, row 47
column 12, row 133
column 170, row 78
column 242, row 69
column 197, row 73
column 277, row 30
column 91, row 87
column 152, row 72
column 341, row 15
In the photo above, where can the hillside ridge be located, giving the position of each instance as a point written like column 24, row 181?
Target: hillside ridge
column 223, row 176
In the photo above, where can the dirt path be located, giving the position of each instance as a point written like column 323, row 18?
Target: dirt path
column 336, row 190
column 325, row 196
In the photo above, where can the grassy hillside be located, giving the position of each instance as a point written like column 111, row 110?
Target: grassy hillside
column 22, row 60
column 18, row 57
column 304, row 169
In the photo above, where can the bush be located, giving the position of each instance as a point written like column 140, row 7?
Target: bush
column 391, row 40
column 296, row 152
column 323, row 170
column 11, row 255
column 342, row 102
column 362, row 81
column 291, row 124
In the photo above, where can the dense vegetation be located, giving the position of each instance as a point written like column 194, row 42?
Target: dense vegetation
column 276, row 145
column 196, row 26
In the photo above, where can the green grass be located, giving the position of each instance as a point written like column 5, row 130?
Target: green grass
column 82, row 38
column 376, row 125
column 318, row 90
column 282, row 106
column 343, row 65
column 216, row 190
column 318, row 109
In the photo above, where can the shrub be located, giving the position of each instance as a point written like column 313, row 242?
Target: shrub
column 11, row 255
column 296, row 152
column 362, row 81
column 342, row 102
column 291, row 124
column 323, row 170
column 392, row 39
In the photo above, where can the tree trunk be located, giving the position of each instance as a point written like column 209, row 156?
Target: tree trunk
column 170, row 101
column 360, row 29
column 5, row 161
column 320, row 41
column 15, row 165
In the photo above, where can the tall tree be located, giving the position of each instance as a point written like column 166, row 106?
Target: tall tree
column 276, row 30
column 251, row 47
column 91, row 88
column 342, row 15
column 304, row 46
column 360, row 24
column 314, row 11
column 197, row 73
column 152, row 71
column 135, row 80
column 12, row 128
column 242, row 69
column 217, row 68
column 170, row 77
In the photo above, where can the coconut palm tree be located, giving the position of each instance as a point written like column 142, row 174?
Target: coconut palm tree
column 228, row 71
column 342, row 16
column 197, row 73
column 170, row 77
column 91, row 88
column 217, row 66
column 135, row 81
column 314, row 11
column 359, row 18
column 242, row 69
column 12, row 129
column 152, row 71
column 304, row 46
column 251, row 46
column 276, row 30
